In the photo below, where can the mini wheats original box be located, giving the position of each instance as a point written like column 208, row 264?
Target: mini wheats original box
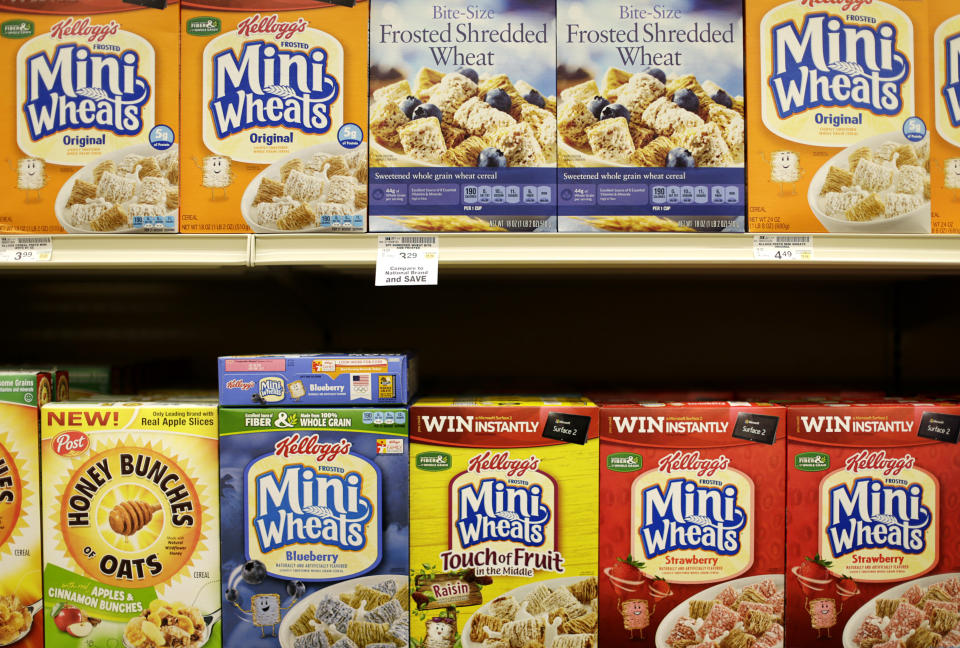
column 274, row 116
column 130, row 529
column 503, row 522
column 870, row 542
column 324, row 379
column 651, row 117
column 22, row 393
column 91, row 126
column 692, row 517
column 463, row 116
column 315, row 527
column 945, row 156
column 839, row 137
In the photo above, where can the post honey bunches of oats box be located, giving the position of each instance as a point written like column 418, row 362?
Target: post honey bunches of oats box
column 651, row 117
column 503, row 522
column 22, row 394
column 945, row 154
column 315, row 527
column 463, row 116
column 274, row 116
column 871, row 537
column 91, row 126
column 840, row 96
column 131, row 534
column 692, row 517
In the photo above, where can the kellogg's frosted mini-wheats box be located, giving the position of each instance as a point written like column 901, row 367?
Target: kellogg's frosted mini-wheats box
column 90, row 126
column 692, row 521
column 503, row 523
column 314, row 510
column 945, row 154
column 871, row 536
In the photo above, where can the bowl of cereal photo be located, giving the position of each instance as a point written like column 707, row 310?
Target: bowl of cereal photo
column 131, row 191
column 169, row 625
column 16, row 619
column 878, row 186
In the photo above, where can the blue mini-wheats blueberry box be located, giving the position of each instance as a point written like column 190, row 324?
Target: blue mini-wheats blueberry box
column 315, row 379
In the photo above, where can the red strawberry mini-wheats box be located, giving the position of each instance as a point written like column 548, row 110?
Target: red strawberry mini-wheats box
column 872, row 525
column 692, row 524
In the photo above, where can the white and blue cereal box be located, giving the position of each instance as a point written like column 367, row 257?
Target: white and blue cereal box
column 90, row 129
column 314, row 520
column 463, row 116
column 839, row 128
column 652, row 116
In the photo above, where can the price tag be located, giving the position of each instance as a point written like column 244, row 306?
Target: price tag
column 25, row 249
column 408, row 261
column 781, row 247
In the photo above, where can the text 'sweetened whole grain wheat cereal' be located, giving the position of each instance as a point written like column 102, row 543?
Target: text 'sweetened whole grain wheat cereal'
column 130, row 530
column 651, row 119
column 504, row 529
column 315, row 527
column 91, row 136
column 869, row 530
column 945, row 155
column 274, row 111
column 463, row 116
column 840, row 141
column 692, row 514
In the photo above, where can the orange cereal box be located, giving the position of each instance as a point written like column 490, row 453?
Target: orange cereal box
column 274, row 116
column 945, row 153
column 838, row 137
column 92, row 121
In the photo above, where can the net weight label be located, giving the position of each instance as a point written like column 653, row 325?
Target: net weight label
column 25, row 249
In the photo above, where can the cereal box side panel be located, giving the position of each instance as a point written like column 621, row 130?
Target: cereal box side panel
column 639, row 468
column 687, row 113
column 844, row 549
column 945, row 154
column 292, row 465
column 20, row 585
column 90, row 88
column 544, row 534
column 131, row 529
column 815, row 117
column 274, row 148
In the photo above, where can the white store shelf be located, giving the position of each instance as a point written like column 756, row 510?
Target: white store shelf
column 145, row 251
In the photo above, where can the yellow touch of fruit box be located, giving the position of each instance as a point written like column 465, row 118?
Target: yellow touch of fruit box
column 22, row 393
column 838, row 137
column 91, row 122
column 131, row 531
column 945, row 153
column 274, row 116
column 503, row 517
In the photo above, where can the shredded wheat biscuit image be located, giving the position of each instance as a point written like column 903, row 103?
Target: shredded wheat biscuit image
column 613, row 80
column 81, row 192
column 655, row 153
column 466, row 154
column 837, row 180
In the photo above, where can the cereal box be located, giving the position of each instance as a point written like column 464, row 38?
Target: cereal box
column 315, row 527
column 871, row 535
column 839, row 136
column 274, row 115
column 131, row 539
column 651, row 117
column 945, row 154
column 315, row 379
column 463, row 116
column 90, row 132
column 503, row 522
column 692, row 517
column 22, row 393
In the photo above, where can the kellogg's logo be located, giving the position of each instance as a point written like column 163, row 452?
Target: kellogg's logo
column 84, row 28
column 951, row 90
column 827, row 62
column 268, row 84
column 239, row 383
column 71, row 443
column 842, row 5
column 295, row 445
column 692, row 461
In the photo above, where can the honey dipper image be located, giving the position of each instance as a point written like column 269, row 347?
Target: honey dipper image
column 127, row 518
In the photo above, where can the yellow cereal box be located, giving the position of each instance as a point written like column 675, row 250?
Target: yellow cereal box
column 92, row 119
column 274, row 116
column 503, row 522
column 131, row 531
column 945, row 153
column 838, row 136
column 22, row 393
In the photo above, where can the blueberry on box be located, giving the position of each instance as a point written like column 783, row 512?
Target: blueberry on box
column 680, row 157
column 427, row 110
column 535, row 98
column 687, row 100
column 722, row 98
column 613, row 111
column 470, row 73
column 657, row 74
column 596, row 105
column 408, row 105
column 499, row 99
column 492, row 157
